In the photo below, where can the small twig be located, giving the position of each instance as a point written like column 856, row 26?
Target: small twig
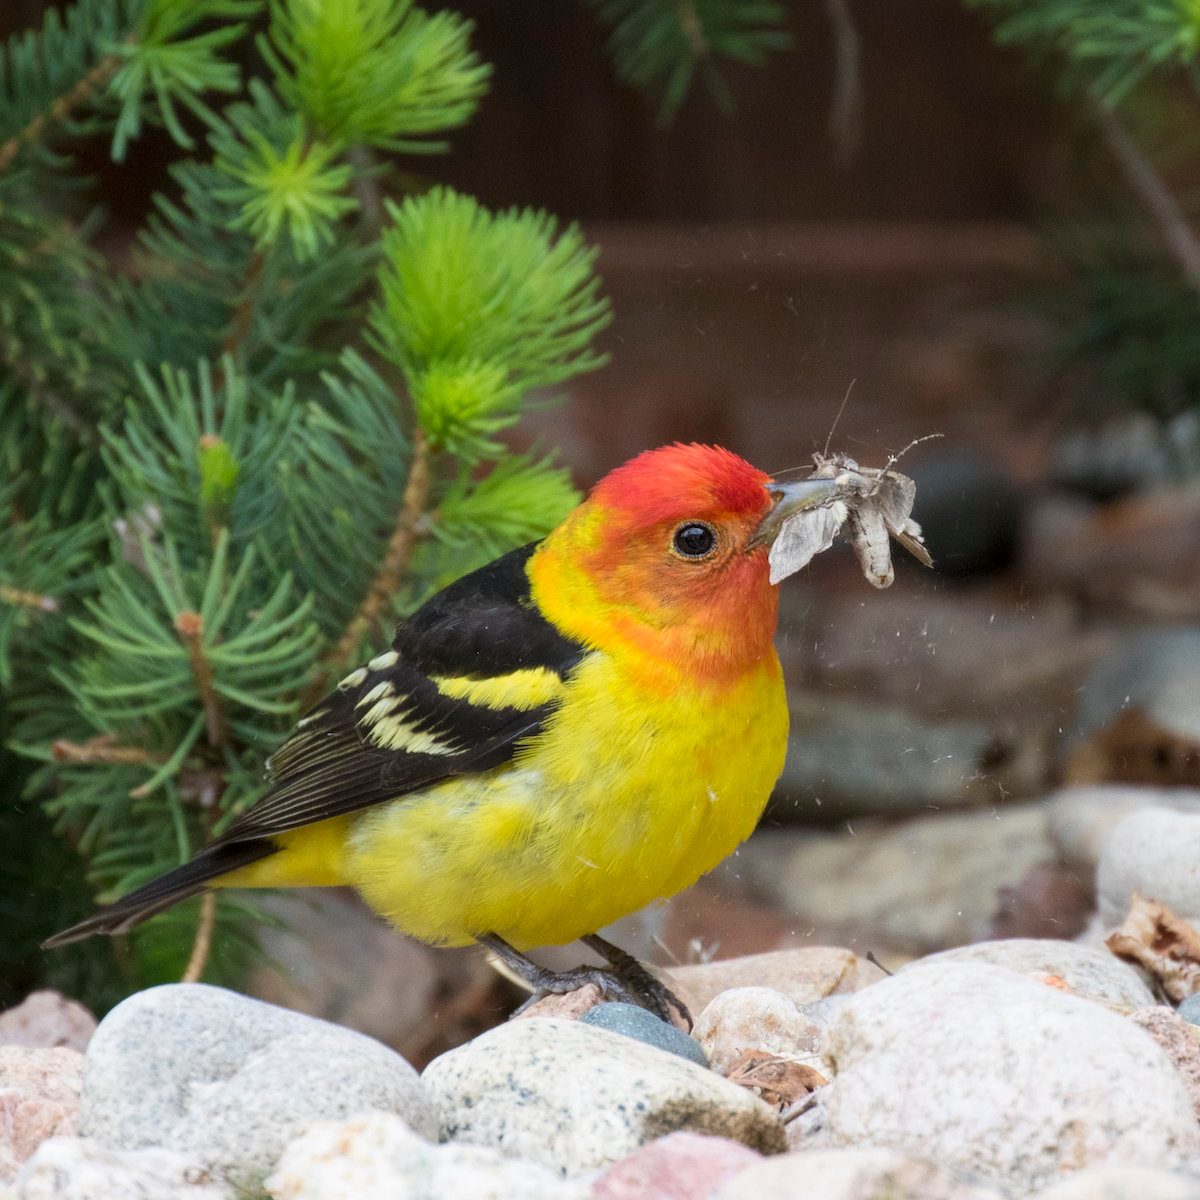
column 1141, row 176
column 366, row 187
column 189, row 626
column 845, row 112
column 395, row 560
column 83, row 91
column 693, row 29
column 870, row 956
column 203, row 943
column 104, row 749
column 242, row 320
column 26, row 599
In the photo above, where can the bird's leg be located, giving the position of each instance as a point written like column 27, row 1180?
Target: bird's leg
column 649, row 990
column 544, row 982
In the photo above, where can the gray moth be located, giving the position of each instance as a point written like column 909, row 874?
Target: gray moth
column 870, row 507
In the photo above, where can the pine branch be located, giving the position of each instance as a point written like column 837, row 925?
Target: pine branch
column 26, row 599
column 189, row 626
column 1148, row 184
column 242, row 322
column 104, row 749
column 202, row 946
column 395, row 560
column 83, row 91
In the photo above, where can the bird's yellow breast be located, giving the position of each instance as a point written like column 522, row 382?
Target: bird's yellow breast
column 631, row 792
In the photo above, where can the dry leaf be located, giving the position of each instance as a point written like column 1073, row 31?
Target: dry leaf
column 778, row 1081
column 870, row 507
column 1161, row 943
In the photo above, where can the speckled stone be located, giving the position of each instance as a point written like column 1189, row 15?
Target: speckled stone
column 70, row 1168
column 1156, row 852
column 805, row 974
column 377, row 1157
column 859, row 1173
column 756, row 1018
column 1038, row 1082
column 643, row 1026
column 1124, row 1183
column 47, row 1019
column 228, row 1082
column 575, row 1097
column 1092, row 972
column 39, row 1098
column 680, row 1166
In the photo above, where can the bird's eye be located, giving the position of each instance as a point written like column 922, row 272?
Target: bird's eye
column 694, row 540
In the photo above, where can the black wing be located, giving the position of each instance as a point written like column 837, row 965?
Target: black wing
column 407, row 719
column 470, row 674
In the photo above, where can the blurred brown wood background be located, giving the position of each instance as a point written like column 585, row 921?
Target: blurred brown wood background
column 753, row 277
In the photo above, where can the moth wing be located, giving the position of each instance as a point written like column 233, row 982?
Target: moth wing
column 804, row 536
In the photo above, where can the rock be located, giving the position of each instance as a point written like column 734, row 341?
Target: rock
column 570, row 1006
column 377, row 1157
column 1081, row 819
column 67, row 1168
column 865, row 1173
column 1189, row 1010
column 1179, row 1040
column 1124, row 1183
column 1052, row 901
column 804, row 974
column 575, row 1097
column 680, row 1166
column 47, row 1019
column 756, row 1018
column 1087, row 971
column 634, row 1022
column 1001, row 1077
column 229, row 1081
column 847, row 759
column 39, row 1098
column 919, row 885
column 1155, row 852
column 1138, row 714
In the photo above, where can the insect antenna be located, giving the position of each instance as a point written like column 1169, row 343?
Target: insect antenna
column 837, row 418
column 895, row 458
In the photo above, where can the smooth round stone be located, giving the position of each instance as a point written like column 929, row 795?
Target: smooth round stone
column 1189, row 1010
column 643, row 1026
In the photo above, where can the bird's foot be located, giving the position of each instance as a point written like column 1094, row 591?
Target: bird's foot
column 557, row 983
column 624, row 979
column 650, row 991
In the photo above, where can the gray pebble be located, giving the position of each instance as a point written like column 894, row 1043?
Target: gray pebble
column 227, row 1081
column 643, row 1026
column 1189, row 1010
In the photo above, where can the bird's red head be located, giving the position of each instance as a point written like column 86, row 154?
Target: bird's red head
column 662, row 558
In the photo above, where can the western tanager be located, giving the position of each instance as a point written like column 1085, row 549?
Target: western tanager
column 587, row 724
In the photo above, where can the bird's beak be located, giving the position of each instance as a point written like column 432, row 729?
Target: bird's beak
column 791, row 498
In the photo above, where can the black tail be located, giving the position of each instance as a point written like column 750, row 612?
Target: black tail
column 166, row 890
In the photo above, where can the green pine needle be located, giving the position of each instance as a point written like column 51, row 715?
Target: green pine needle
column 658, row 47
column 379, row 72
column 163, row 65
column 1109, row 46
column 288, row 185
column 478, row 308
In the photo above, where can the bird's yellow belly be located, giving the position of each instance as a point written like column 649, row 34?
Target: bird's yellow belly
column 610, row 808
